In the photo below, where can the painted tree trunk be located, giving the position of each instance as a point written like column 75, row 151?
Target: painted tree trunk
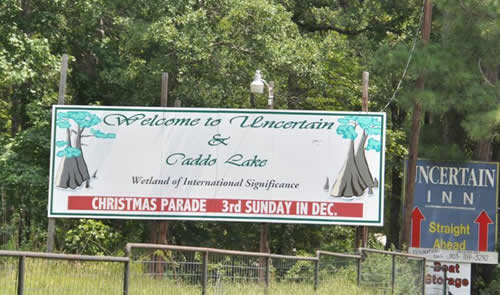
column 72, row 172
column 347, row 183
column 362, row 164
column 355, row 176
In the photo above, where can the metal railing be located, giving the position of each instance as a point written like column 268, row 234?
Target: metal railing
column 215, row 269
column 45, row 273
column 392, row 272
column 170, row 269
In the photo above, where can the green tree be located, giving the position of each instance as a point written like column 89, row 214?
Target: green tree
column 460, row 67
column 91, row 237
column 28, row 71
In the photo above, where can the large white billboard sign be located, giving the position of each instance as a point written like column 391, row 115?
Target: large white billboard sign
column 217, row 164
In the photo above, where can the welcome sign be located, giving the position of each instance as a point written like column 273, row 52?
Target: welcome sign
column 217, row 164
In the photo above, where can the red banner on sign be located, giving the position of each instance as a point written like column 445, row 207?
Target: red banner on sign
column 200, row 205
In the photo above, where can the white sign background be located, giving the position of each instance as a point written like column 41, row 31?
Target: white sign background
column 307, row 155
column 460, row 275
column 463, row 256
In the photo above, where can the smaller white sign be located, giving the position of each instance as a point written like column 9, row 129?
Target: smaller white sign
column 456, row 256
column 457, row 279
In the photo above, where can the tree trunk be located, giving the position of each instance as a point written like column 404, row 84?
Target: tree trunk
column 159, row 233
column 3, row 200
column 415, row 135
column 397, row 117
column 14, row 113
column 412, row 160
column 395, row 209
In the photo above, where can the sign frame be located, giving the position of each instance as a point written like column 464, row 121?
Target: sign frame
column 457, row 225
column 53, row 212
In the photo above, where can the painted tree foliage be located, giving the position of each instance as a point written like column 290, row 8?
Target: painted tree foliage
column 73, row 170
column 355, row 176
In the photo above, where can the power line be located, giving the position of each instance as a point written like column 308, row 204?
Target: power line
column 393, row 98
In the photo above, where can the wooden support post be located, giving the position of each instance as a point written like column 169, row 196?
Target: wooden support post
column 264, row 248
column 358, row 267
column 204, row 274
column 164, row 90
column 316, row 274
column 20, row 276
column 3, row 200
column 364, row 97
column 393, row 274
column 264, row 227
column 51, row 226
column 267, row 273
column 126, row 276
column 361, row 238
column 163, row 225
column 51, row 234
column 62, row 79
column 159, row 228
column 264, row 235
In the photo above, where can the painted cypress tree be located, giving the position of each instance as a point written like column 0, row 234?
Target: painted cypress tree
column 355, row 176
column 73, row 170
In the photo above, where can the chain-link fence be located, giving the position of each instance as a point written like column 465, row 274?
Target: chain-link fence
column 392, row 272
column 338, row 268
column 168, row 269
column 214, row 271
column 47, row 273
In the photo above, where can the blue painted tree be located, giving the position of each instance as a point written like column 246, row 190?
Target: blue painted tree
column 355, row 176
column 73, row 170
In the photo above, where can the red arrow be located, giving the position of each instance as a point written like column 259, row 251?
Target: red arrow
column 483, row 220
column 416, row 218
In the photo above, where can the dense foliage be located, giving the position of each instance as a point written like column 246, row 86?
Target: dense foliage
column 314, row 50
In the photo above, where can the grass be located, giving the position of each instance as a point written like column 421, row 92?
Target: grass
column 75, row 278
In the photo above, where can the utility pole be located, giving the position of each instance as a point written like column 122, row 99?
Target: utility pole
column 415, row 135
